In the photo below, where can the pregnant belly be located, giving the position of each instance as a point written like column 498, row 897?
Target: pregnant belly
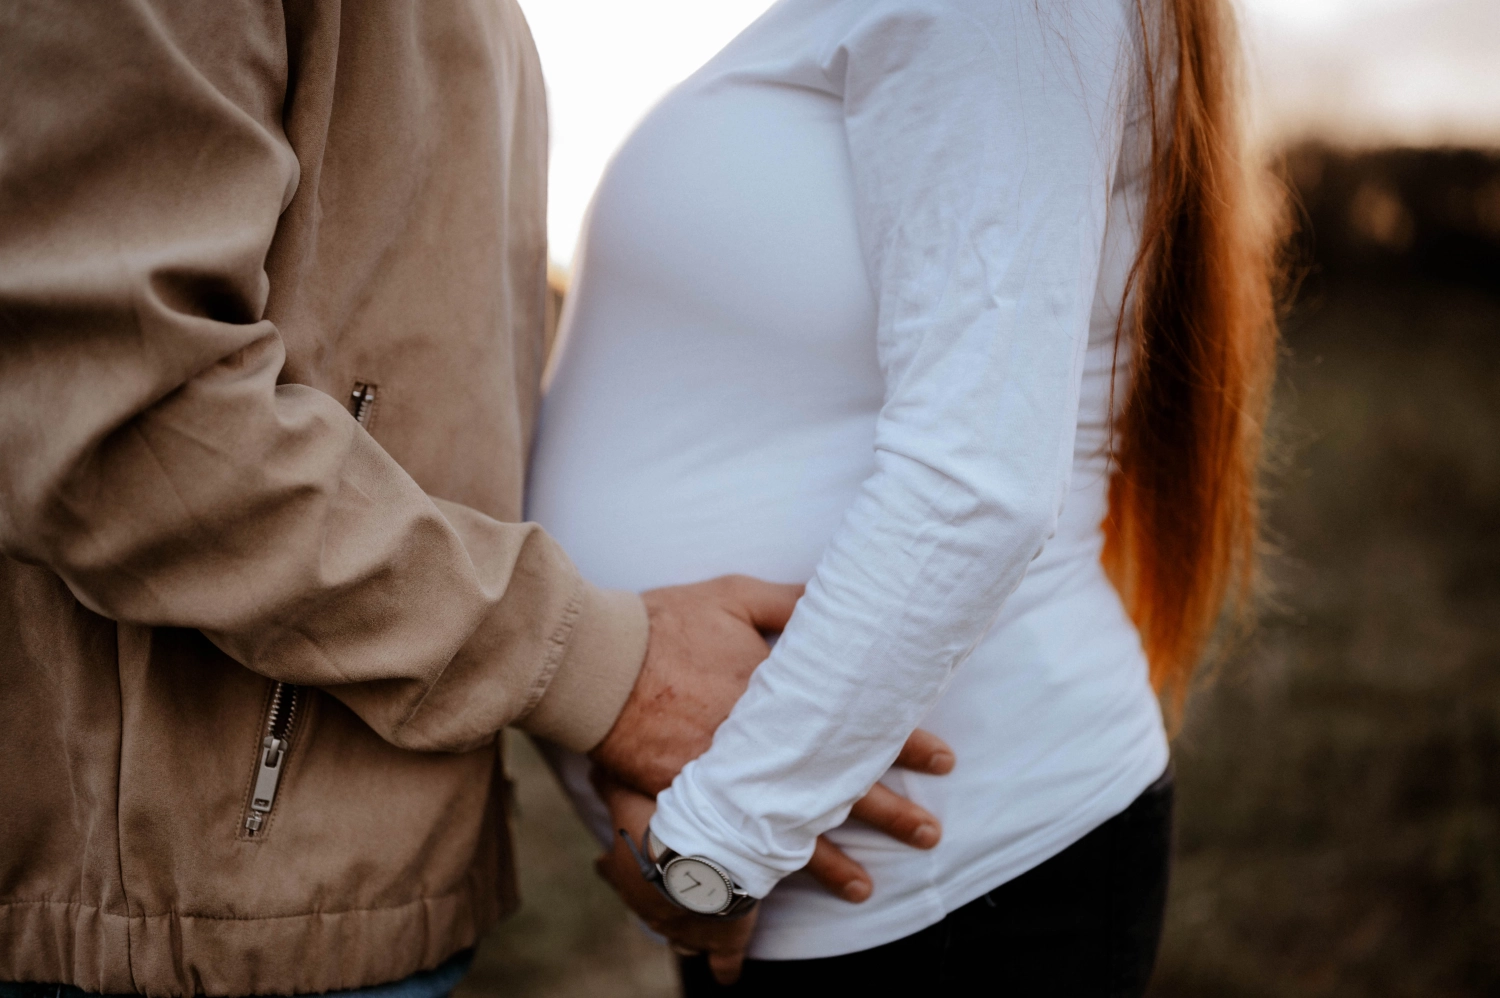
column 640, row 506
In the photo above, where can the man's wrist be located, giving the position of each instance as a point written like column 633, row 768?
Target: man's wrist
column 599, row 667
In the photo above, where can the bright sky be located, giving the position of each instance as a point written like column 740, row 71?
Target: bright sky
column 1360, row 71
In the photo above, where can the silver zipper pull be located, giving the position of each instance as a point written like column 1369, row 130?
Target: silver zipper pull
column 266, row 779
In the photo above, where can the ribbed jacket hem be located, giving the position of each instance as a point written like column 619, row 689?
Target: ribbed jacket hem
column 176, row 954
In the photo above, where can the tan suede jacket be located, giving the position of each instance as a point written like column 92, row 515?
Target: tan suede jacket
column 271, row 298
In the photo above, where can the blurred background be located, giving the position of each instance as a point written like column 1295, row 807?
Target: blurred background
column 1339, row 775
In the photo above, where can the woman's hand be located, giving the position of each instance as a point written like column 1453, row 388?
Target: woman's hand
column 886, row 811
column 725, row 939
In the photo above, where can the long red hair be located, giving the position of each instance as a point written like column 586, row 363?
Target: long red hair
column 1182, row 532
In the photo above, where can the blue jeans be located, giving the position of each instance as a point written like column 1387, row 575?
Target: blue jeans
column 434, row 983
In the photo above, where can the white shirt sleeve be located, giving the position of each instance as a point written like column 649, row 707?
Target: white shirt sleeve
column 984, row 138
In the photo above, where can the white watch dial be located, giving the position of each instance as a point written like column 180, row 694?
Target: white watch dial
column 696, row 886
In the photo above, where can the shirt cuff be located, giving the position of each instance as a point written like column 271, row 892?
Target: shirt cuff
column 688, row 823
column 598, row 670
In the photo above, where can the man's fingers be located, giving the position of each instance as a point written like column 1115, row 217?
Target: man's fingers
column 889, row 812
column 925, row 752
column 767, row 605
column 726, row 965
column 833, row 869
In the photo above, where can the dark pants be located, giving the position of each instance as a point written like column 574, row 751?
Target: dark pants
column 1084, row 924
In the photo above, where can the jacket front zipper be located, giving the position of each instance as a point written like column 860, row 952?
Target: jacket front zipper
column 284, row 696
column 280, row 716
column 362, row 402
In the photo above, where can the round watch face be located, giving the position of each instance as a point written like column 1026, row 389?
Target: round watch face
column 696, row 885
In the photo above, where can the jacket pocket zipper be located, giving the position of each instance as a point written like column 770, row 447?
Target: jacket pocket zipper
column 280, row 716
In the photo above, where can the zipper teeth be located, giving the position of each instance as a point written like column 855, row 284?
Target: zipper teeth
column 362, row 401
column 291, row 710
column 273, row 714
column 282, row 711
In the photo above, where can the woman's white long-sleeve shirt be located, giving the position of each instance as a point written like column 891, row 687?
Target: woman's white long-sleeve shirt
column 845, row 313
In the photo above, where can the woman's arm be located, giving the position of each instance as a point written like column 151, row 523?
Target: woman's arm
column 984, row 138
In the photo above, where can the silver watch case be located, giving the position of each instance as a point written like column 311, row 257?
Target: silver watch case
column 693, row 883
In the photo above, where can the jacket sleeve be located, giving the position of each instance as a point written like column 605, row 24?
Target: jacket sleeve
column 150, row 454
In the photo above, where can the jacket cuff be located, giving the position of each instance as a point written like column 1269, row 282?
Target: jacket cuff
column 598, row 670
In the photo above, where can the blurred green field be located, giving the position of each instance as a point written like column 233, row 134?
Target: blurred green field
column 1339, row 777
column 1339, row 822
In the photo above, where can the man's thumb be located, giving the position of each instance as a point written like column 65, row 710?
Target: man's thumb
column 769, row 605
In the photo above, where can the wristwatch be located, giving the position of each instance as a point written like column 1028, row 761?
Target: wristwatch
column 695, row 883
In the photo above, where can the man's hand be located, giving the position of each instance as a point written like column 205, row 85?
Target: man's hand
column 705, row 641
column 725, row 939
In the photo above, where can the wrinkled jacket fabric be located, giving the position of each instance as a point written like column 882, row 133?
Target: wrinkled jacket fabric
column 216, row 220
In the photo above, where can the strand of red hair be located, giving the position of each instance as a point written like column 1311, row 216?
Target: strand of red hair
column 1182, row 534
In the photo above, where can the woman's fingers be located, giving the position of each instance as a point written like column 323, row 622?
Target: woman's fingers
column 726, row 965
column 723, row 940
column 925, row 752
column 889, row 812
column 833, row 869
column 628, row 809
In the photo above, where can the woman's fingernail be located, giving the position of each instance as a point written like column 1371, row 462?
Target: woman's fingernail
column 940, row 762
column 926, row 836
column 856, row 891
